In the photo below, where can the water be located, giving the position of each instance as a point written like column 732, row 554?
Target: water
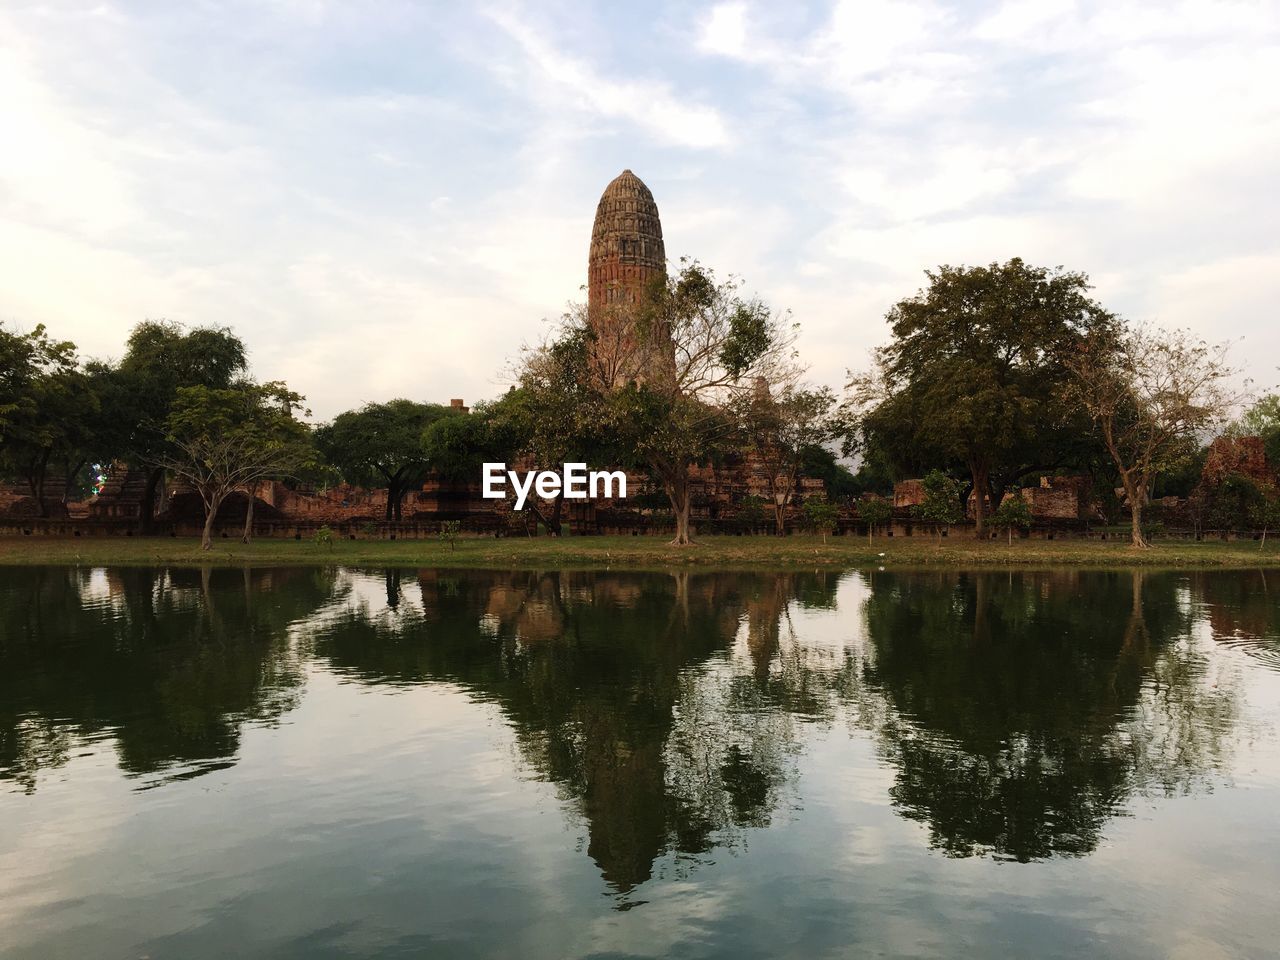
column 359, row 763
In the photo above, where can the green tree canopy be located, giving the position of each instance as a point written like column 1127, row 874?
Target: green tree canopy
column 975, row 374
column 382, row 444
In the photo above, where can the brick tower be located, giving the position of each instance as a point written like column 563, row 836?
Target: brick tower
column 626, row 254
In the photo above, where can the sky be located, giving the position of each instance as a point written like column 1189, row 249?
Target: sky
column 387, row 198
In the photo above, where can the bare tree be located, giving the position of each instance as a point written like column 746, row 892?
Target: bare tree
column 779, row 429
column 1154, row 394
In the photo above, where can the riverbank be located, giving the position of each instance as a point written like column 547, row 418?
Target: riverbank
column 640, row 552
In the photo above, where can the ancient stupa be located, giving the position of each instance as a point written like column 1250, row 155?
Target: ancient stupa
column 626, row 254
column 626, row 243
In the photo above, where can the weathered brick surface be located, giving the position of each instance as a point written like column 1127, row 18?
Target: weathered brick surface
column 908, row 493
column 1242, row 455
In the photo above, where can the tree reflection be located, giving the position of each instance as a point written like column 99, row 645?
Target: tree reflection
column 170, row 663
column 1018, row 711
column 1027, row 708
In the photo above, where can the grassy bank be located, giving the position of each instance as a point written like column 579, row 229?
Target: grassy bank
column 640, row 552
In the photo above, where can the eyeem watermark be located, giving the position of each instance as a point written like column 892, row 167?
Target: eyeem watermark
column 575, row 483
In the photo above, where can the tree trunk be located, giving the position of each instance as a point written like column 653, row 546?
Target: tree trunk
column 678, row 494
column 147, row 508
column 1135, row 510
column 557, row 510
column 980, row 488
column 248, row 514
column 211, row 514
column 37, row 484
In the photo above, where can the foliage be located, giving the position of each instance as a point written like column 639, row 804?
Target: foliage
column 1013, row 513
column 941, row 504
column 974, row 376
column 820, row 463
column 222, row 440
column 1262, row 419
column 780, row 429
column 750, row 511
column 1154, row 394
column 673, row 369
column 323, row 537
column 1235, row 502
column 821, row 516
column 874, row 512
column 382, row 443
column 449, row 530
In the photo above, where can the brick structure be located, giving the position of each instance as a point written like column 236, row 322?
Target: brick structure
column 626, row 255
column 1243, row 455
column 626, row 244
column 908, row 493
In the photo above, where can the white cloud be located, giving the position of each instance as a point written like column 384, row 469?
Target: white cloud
column 571, row 83
column 389, row 202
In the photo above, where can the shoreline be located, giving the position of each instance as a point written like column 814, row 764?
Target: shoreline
column 653, row 553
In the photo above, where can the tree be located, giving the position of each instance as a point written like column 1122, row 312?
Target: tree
column 975, row 374
column 1013, row 512
column 821, row 516
column 382, row 441
column 941, row 504
column 820, row 463
column 55, row 430
column 223, row 440
column 703, row 343
column 161, row 358
column 1265, row 514
column 555, row 414
column 27, row 360
column 1154, row 394
column 779, row 431
column 875, row 512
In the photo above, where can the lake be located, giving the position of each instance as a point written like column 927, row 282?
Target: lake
column 342, row 763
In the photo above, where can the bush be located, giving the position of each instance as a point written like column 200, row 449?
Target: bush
column 821, row 516
column 449, row 530
column 1014, row 512
column 941, row 500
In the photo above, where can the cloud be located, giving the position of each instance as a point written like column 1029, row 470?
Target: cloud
column 566, row 82
column 389, row 201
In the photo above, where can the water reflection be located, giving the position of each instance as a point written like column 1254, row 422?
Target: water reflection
column 1028, row 708
column 168, row 664
column 1018, row 712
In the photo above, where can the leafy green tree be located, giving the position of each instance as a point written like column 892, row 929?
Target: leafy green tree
column 1013, row 513
column 1234, row 502
column 382, row 443
column 53, row 429
column 821, row 516
column 225, row 440
column 875, row 512
column 161, row 358
column 975, row 374
column 941, row 504
column 29, row 363
column 820, row 463
column 1265, row 514
column 556, row 413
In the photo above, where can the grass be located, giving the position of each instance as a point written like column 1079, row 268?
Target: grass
column 639, row 552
